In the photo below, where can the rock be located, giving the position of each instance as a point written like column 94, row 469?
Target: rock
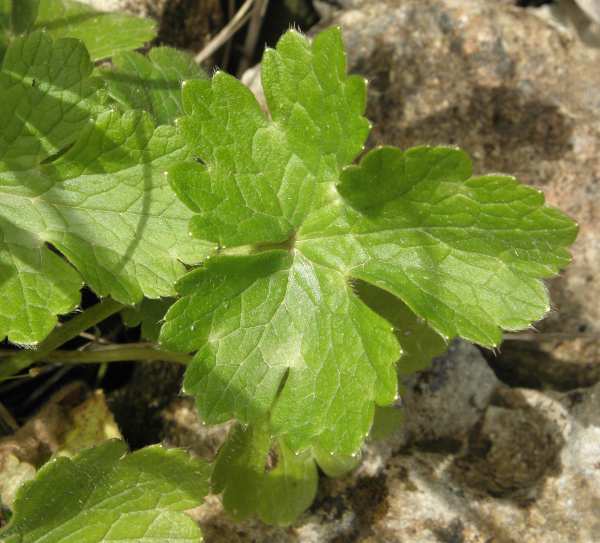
column 182, row 427
column 139, row 404
column 591, row 8
column 445, row 402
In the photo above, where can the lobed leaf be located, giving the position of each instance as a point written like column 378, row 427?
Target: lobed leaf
column 104, row 202
column 46, row 98
column 464, row 253
column 277, row 325
column 104, row 495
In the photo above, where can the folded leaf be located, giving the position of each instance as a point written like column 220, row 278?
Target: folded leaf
column 104, row 495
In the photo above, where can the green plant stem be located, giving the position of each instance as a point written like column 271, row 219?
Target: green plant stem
column 114, row 353
column 59, row 336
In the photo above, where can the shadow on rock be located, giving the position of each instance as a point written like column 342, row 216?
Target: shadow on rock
column 511, row 450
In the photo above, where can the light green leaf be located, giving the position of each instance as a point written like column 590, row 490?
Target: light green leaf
column 278, row 327
column 106, row 206
column 464, row 253
column 258, row 478
column 104, row 495
column 23, row 15
column 152, row 83
column 149, row 313
column 262, row 175
column 105, row 203
column 45, row 96
column 262, row 319
column 104, row 34
column 338, row 465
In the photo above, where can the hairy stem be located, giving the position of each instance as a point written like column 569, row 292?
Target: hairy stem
column 59, row 336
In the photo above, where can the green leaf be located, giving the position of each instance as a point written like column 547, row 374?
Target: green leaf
column 464, row 253
column 149, row 313
column 279, row 317
column 104, row 34
column 104, row 203
column 104, row 495
column 23, row 15
column 278, row 493
column 152, row 83
column 5, row 11
column 263, row 175
column 278, row 327
column 45, row 98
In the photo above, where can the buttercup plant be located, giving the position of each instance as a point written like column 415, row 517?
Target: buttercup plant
column 319, row 271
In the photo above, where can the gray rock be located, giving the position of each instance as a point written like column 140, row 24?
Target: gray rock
column 445, row 402
column 591, row 8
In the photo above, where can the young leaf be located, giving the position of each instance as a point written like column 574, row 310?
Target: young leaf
column 152, row 83
column 278, row 493
column 104, row 495
column 281, row 330
column 104, row 203
column 104, row 34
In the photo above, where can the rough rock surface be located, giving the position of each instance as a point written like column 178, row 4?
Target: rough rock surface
column 494, row 465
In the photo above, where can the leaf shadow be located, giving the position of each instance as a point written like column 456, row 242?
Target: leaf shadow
column 22, row 147
column 13, row 235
